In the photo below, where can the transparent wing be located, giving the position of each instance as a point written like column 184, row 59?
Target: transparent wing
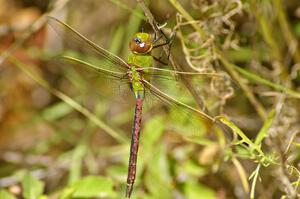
column 170, row 100
column 89, row 46
column 89, row 71
column 98, row 80
column 173, row 74
column 185, row 108
column 113, row 74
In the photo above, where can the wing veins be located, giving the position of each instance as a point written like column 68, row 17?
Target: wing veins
column 101, row 51
column 114, row 74
column 161, row 95
column 167, row 72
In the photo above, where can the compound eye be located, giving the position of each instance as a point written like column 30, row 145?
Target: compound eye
column 138, row 40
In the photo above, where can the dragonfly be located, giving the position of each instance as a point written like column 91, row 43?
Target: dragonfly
column 137, row 70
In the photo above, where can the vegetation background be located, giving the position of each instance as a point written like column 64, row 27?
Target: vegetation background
column 65, row 132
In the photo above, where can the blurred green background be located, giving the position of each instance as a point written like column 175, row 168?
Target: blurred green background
column 65, row 131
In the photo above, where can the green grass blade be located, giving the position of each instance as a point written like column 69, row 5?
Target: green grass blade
column 264, row 130
column 254, row 181
column 240, row 133
column 255, row 78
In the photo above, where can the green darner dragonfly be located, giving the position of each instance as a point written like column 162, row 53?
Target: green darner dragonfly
column 137, row 71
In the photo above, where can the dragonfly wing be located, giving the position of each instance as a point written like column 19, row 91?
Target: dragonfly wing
column 92, row 83
column 60, row 27
column 114, row 74
column 165, row 74
column 215, row 87
column 170, row 100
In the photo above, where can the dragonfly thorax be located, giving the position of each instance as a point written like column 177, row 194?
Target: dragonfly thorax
column 138, row 62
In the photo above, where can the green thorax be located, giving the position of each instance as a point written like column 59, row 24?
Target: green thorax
column 138, row 61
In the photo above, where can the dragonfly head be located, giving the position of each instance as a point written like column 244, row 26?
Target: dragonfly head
column 141, row 43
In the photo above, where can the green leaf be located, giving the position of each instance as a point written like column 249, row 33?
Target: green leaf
column 195, row 190
column 264, row 130
column 93, row 186
column 6, row 195
column 32, row 187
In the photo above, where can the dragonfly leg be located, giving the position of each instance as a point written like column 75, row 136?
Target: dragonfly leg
column 168, row 41
column 156, row 38
column 159, row 60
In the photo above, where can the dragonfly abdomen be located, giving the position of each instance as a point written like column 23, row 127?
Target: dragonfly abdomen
column 134, row 146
